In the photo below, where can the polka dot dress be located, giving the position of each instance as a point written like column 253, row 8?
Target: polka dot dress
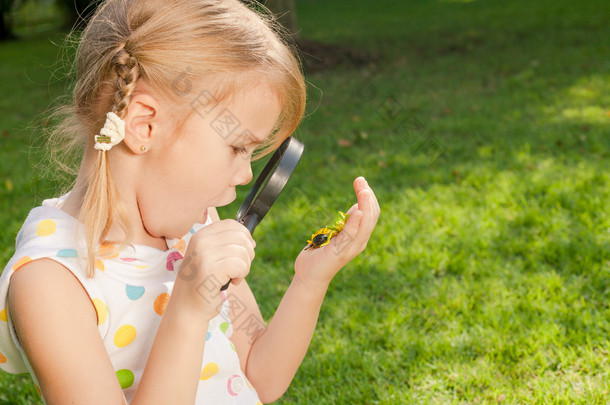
column 129, row 292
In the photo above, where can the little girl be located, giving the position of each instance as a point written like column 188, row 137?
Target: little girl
column 113, row 294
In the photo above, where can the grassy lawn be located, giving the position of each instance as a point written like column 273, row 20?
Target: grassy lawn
column 484, row 127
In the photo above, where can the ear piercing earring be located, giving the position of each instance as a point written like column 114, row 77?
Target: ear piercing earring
column 142, row 148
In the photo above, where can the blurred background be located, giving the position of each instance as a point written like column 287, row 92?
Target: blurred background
column 483, row 127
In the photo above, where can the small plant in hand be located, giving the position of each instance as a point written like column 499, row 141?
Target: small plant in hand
column 323, row 236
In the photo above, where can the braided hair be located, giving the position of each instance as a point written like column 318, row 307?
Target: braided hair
column 127, row 72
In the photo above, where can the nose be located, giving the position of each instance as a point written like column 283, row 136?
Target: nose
column 244, row 174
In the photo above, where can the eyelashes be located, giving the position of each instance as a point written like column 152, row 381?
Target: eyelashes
column 240, row 150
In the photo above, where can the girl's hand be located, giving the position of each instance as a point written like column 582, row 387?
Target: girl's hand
column 315, row 268
column 220, row 252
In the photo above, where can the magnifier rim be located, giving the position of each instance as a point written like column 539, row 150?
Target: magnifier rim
column 285, row 166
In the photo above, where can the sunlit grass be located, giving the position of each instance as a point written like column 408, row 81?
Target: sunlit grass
column 483, row 128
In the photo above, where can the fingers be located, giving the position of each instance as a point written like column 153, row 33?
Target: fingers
column 236, row 269
column 243, row 253
column 352, row 225
column 221, row 251
column 368, row 204
column 230, row 225
column 229, row 237
column 361, row 221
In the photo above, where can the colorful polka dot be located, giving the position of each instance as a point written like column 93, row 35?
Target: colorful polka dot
column 3, row 316
column 108, row 249
column 142, row 267
column 171, row 259
column 235, row 384
column 21, row 262
column 209, row 371
column 38, row 390
column 126, row 378
column 124, row 335
column 223, row 327
column 102, row 311
column 134, row 292
column 208, row 336
column 180, row 246
column 46, row 228
column 160, row 303
column 67, row 253
column 99, row 264
column 2, row 359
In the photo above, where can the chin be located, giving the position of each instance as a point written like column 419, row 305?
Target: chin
column 226, row 200
column 179, row 233
column 182, row 226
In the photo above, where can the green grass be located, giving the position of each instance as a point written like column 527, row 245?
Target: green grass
column 483, row 126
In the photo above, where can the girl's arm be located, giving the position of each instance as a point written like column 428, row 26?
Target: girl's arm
column 271, row 356
column 57, row 328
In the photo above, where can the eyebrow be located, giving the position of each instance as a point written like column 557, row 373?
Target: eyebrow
column 251, row 139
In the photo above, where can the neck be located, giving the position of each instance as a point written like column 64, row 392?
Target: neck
column 73, row 203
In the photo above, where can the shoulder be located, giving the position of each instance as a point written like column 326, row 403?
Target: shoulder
column 46, row 221
column 32, row 276
column 42, row 282
column 51, row 237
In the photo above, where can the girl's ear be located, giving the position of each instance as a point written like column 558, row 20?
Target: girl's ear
column 141, row 113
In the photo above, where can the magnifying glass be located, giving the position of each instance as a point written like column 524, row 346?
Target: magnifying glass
column 269, row 185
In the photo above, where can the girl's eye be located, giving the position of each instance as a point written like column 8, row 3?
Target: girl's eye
column 239, row 150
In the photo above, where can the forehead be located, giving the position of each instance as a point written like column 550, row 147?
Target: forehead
column 251, row 113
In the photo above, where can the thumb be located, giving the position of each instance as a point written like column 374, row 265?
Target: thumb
column 352, row 209
column 351, row 228
column 353, row 222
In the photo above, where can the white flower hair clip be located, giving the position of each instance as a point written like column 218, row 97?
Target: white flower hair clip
column 112, row 133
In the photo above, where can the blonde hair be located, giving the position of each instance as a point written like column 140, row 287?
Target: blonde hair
column 220, row 45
